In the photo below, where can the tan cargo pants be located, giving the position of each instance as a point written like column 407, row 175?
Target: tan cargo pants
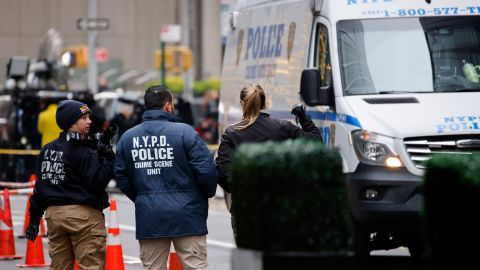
column 191, row 250
column 76, row 232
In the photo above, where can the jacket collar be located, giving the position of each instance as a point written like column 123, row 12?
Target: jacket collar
column 67, row 135
column 77, row 138
column 151, row 115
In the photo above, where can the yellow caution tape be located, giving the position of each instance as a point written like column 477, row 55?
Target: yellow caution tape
column 19, row 152
column 212, row 147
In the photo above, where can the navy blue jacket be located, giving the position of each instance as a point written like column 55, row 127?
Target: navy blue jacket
column 70, row 172
column 167, row 170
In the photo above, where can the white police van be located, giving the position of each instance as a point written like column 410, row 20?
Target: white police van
column 388, row 82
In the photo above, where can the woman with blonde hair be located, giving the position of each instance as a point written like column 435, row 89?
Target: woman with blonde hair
column 258, row 126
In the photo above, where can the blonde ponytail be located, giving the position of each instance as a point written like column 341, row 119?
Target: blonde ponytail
column 252, row 99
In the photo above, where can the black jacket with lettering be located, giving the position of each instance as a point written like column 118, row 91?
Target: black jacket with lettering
column 70, row 172
column 263, row 129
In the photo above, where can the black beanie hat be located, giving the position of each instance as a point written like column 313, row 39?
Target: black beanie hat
column 68, row 112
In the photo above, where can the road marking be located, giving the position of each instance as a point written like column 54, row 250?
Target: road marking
column 17, row 213
column 218, row 213
column 126, row 227
column 221, row 244
column 122, row 199
column 131, row 260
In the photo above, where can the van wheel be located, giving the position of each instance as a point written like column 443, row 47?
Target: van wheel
column 362, row 242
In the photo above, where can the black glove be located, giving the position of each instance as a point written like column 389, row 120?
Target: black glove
column 298, row 110
column 31, row 232
column 106, row 151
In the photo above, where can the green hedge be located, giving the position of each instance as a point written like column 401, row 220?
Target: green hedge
column 174, row 83
column 201, row 87
column 451, row 211
column 290, row 196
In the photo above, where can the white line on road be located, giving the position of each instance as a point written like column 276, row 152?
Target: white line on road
column 122, row 199
column 220, row 243
column 17, row 213
column 131, row 260
column 216, row 213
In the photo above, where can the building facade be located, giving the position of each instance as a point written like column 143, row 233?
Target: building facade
column 133, row 35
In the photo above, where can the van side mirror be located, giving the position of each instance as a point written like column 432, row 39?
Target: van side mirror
column 310, row 90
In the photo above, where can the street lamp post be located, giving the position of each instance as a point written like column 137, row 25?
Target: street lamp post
column 162, row 65
column 92, row 40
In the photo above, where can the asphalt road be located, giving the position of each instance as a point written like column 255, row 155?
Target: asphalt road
column 220, row 240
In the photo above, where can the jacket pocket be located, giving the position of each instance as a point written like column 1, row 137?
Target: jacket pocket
column 92, row 249
column 77, row 216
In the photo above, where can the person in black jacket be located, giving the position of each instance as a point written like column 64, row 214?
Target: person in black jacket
column 257, row 126
column 72, row 177
column 126, row 118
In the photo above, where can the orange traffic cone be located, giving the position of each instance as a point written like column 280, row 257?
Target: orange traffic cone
column 34, row 257
column 27, row 220
column 174, row 262
column 114, row 247
column 43, row 231
column 7, row 244
column 32, row 179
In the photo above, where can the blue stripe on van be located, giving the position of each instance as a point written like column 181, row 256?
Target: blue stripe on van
column 325, row 116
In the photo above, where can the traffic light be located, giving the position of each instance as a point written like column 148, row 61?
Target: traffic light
column 177, row 58
column 185, row 61
column 75, row 56
column 169, row 58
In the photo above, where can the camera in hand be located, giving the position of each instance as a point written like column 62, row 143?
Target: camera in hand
column 108, row 134
column 104, row 145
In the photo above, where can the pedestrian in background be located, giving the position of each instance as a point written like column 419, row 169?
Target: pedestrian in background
column 208, row 129
column 257, row 126
column 183, row 110
column 47, row 125
column 167, row 170
column 125, row 119
column 72, row 177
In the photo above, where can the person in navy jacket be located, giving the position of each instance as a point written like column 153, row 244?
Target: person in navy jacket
column 167, row 170
column 72, row 177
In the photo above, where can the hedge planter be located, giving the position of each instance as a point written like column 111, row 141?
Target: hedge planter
column 290, row 196
column 451, row 210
